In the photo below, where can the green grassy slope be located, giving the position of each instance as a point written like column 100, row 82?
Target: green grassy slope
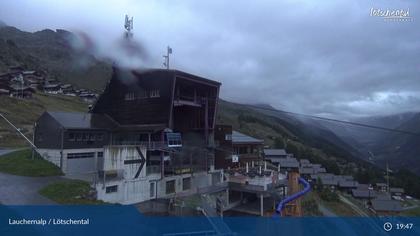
column 22, row 163
column 24, row 112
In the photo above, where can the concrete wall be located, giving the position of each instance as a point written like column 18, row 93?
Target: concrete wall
column 130, row 189
column 54, row 156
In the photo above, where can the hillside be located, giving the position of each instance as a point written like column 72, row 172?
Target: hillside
column 23, row 113
column 279, row 130
column 314, row 143
column 379, row 147
column 51, row 51
column 401, row 150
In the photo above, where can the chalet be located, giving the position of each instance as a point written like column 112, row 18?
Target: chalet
column 274, row 154
column 396, row 192
column 363, row 193
column 347, row 185
column 67, row 89
column 52, row 88
column 21, row 91
column 246, row 147
column 233, row 147
column 149, row 135
column 328, row 180
column 382, row 187
column 386, row 207
column 287, row 164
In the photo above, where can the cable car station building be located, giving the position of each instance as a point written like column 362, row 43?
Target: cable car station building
column 150, row 135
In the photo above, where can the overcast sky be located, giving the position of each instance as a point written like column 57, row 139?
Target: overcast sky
column 327, row 58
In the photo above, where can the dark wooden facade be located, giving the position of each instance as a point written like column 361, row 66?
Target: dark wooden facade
column 174, row 99
column 143, row 108
column 51, row 134
column 224, row 149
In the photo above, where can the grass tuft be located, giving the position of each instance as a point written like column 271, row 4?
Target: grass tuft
column 21, row 163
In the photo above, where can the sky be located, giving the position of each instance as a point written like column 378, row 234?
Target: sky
column 328, row 58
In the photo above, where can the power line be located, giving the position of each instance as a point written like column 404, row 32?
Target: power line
column 333, row 120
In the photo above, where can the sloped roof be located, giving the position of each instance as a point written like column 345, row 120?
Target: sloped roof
column 287, row 162
column 386, row 205
column 361, row 193
column 80, row 120
column 240, row 138
column 348, row 184
column 275, row 152
column 307, row 170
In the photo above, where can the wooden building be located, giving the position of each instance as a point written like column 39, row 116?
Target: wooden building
column 234, row 148
column 157, row 128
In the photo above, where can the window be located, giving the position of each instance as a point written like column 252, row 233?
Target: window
column 80, row 155
column 228, row 137
column 129, row 96
column 72, row 137
column 154, row 93
column 99, row 137
column 111, row 189
column 79, row 137
column 170, row 186
column 174, row 139
column 85, row 137
column 152, row 189
column 100, row 154
column 186, row 183
column 91, row 137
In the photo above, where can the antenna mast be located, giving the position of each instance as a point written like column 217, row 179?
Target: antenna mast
column 128, row 25
column 166, row 57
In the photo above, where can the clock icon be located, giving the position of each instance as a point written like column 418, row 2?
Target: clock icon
column 387, row 226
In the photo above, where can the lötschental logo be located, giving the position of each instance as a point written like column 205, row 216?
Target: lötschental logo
column 391, row 14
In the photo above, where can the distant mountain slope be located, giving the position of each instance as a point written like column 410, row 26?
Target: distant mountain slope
column 365, row 139
column 401, row 150
column 268, row 125
column 50, row 50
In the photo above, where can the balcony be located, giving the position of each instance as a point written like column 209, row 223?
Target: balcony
column 182, row 100
column 153, row 145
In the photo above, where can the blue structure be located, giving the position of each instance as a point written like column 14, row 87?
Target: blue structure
column 282, row 203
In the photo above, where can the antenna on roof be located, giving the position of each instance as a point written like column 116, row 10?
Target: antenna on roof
column 166, row 57
column 128, row 25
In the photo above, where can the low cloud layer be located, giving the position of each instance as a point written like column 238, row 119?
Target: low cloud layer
column 330, row 58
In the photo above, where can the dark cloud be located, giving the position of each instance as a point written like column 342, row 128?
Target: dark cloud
column 330, row 58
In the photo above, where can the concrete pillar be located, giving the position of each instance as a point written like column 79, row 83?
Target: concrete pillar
column 227, row 197
column 247, row 169
column 265, row 166
column 261, row 205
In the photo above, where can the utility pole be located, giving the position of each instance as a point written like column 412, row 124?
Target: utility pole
column 18, row 130
column 387, row 176
column 166, row 57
